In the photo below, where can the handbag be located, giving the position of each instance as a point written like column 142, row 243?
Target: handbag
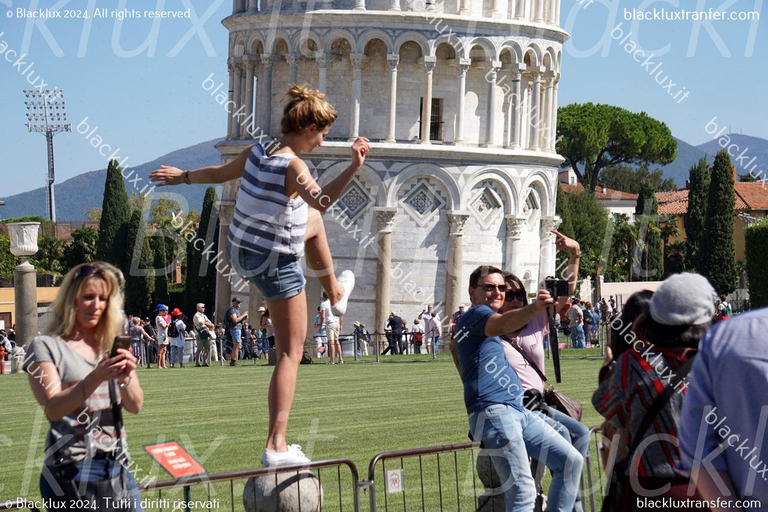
column 112, row 494
column 553, row 397
column 618, row 484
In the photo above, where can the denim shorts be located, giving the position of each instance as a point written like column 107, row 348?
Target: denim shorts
column 277, row 277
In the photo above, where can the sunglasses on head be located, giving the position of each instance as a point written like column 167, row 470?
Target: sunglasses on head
column 493, row 287
column 90, row 270
column 512, row 295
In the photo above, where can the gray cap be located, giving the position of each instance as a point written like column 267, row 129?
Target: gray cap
column 684, row 299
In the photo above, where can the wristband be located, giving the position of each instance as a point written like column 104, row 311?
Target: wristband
column 576, row 254
column 124, row 385
column 186, row 178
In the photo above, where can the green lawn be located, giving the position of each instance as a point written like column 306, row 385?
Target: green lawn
column 354, row 410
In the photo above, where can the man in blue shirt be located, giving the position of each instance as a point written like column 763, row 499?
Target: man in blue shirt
column 493, row 398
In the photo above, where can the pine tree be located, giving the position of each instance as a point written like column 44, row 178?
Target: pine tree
column 649, row 232
column 200, row 283
column 718, row 252
column 696, row 216
column 138, row 289
column 115, row 214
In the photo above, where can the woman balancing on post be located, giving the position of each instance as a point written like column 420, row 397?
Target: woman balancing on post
column 82, row 391
column 277, row 217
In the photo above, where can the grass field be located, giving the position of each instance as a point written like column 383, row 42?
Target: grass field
column 219, row 415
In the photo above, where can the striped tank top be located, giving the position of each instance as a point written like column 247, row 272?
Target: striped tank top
column 266, row 220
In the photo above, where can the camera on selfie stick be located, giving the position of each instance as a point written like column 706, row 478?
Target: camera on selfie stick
column 556, row 288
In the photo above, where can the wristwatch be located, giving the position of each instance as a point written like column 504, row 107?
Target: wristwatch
column 186, row 178
column 577, row 253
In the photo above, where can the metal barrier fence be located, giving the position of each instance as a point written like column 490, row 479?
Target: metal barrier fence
column 179, row 492
column 435, row 490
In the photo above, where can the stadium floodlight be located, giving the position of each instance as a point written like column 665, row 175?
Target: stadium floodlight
column 46, row 115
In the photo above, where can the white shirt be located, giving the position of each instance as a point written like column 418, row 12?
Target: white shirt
column 575, row 316
column 417, row 328
column 330, row 318
column 161, row 327
column 199, row 320
column 434, row 326
column 179, row 340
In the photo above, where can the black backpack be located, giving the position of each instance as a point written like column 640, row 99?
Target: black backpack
column 173, row 329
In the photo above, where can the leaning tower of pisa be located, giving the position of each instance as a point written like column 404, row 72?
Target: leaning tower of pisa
column 459, row 100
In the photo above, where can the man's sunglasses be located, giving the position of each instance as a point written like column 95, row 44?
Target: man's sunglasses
column 518, row 295
column 493, row 287
column 90, row 270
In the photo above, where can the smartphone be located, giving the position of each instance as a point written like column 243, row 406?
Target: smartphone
column 120, row 342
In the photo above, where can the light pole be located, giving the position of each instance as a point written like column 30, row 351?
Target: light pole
column 46, row 113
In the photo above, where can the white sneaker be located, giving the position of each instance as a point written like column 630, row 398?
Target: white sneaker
column 293, row 455
column 347, row 281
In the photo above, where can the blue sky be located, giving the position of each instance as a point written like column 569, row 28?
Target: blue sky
column 141, row 85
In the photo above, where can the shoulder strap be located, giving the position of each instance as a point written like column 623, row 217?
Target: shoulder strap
column 528, row 360
column 660, row 402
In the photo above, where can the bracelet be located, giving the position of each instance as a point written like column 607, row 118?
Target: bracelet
column 186, row 178
column 576, row 254
column 125, row 384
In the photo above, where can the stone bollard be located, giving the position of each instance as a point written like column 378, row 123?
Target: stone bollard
column 492, row 498
column 17, row 359
column 283, row 492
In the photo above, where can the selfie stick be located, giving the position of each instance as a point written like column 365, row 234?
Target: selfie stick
column 554, row 347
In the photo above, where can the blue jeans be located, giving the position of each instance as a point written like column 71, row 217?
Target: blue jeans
column 91, row 470
column 577, row 337
column 177, row 354
column 501, row 428
column 573, row 431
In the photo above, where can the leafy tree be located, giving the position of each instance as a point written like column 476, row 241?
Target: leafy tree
column 161, row 212
column 649, row 233
column 588, row 221
column 93, row 214
column 138, row 289
column 8, row 261
column 748, row 178
column 718, row 252
column 81, row 249
column 630, row 180
column 200, row 282
column 674, row 258
column 138, row 201
column 622, row 259
column 114, row 218
column 669, row 230
column 49, row 255
column 592, row 137
column 160, row 252
column 756, row 240
column 696, row 216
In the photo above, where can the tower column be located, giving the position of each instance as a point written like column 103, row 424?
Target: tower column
column 515, row 107
column 553, row 125
column 357, row 90
column 395, row 5
column 495, row 9
column 539, row 15
column 547, row 247
column 237, row 98
column 464, row 8
column 493, row 106
column 322, row 66
column 463, row 68
column 249, row 68
column 535, row 113
column 266, row 89
column 520, row 9
column 426, row 110
column 514, row 228
column 385, row 219
column 549, row 102
column 293, row 62
column 393, row 60
column 454, row 264
column 359, row 5
column 230, row 118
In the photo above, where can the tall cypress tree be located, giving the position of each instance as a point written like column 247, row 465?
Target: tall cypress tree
column 138, row 289
column 115, row 214
column 696, row 216
column 159, row 248
column 718, row 252
column 647, row 215
column 200, row 283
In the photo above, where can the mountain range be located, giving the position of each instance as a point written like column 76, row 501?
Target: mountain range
column 76, row 195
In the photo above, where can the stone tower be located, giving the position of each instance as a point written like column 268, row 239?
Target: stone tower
column 459, row 100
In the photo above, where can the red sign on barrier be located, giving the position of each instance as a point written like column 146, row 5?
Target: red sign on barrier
column 175, row 459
